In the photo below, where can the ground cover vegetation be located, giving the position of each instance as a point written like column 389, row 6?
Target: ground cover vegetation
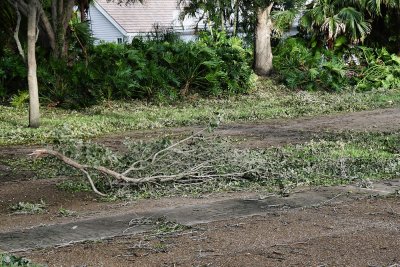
column 28, row 208
column 344, row 57
column 268, row 101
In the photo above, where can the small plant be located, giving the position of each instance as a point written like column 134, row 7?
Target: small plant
column 7, row 260
column 29, row 208
column 20, row 99
column 163, row 226
column 66, row 213
column 160, row 247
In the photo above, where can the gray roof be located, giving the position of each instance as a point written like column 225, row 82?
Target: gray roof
column 138, row 17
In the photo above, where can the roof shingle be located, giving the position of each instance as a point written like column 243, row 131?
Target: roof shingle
column 138, row 17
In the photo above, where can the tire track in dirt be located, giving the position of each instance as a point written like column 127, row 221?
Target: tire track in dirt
column 280, row 132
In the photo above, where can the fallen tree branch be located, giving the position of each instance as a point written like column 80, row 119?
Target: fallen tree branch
column 198, row 171
column 42, row 152
column 192, row 173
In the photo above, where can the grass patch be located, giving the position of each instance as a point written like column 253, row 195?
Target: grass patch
column 356, row 151
column 74, row 186
column 268, row 101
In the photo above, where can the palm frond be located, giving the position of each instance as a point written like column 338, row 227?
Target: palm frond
column 283, row 20
column 358, row 27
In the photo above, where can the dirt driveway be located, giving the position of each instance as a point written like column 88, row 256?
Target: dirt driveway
column 355, row 232
column 359, row 233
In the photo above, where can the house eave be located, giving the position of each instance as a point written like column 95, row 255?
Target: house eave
column 110, row 18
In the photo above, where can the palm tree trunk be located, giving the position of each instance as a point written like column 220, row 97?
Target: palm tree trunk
column 262, row 47
column 34, row 115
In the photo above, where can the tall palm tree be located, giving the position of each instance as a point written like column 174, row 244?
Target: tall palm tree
column 385, row 16
column 332, row 18
column 376, row 7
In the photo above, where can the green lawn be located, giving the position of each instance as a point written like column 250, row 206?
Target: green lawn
column 266, row 102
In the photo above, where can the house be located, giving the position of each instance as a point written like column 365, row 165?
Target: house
column 112, row 22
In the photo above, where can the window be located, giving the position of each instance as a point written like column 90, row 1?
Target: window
column 119, row 40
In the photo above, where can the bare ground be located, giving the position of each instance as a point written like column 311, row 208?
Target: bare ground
column 359, row 233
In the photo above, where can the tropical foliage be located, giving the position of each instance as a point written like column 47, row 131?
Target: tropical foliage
column 300, row 68
column 371, row 21
column 330, row 19
column 162, row 69
column 362, row 68
column 340, row 44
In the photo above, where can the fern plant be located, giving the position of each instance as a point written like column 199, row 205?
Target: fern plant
column 20, row 99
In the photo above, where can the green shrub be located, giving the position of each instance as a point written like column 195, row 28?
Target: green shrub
column 236, row 62
column 62, row 84
column 381, row 69
column 301, row 68
column 20, row 99
column 160, row 69
column 12, row 74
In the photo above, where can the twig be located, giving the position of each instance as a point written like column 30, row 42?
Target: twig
column 393, row 212
column 291, row 244
column 329, row 200
column 154, row 157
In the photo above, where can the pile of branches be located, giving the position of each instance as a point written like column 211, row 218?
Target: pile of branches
column 202, row 158
column 196, row 158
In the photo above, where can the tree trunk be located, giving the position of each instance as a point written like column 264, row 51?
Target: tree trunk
column 262, row 47
column 16, row 34
column 82, row 10
column 235, row 18
column 222, row 14
column 34, row 115
column 63, row 13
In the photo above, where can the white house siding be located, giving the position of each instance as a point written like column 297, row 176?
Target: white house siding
column 111, row 21
column 102, row 28
column 136, row 18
